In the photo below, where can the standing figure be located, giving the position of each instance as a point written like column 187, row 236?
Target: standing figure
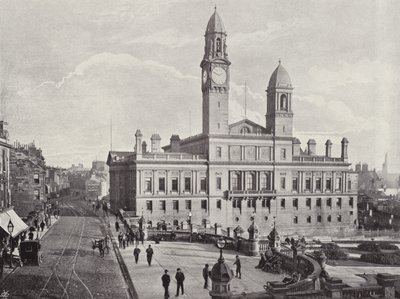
column 206, row 274
column 117, row 226
column 165, row 282
column 42, row 225
column 123, row 240
column 142, row 236
column 120, row 240
column 30, row 235
column 238, row 267
column 149, row 252
column 136, row 253
column 180, row 277
column 101, row 249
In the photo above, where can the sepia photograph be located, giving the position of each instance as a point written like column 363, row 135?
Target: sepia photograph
column 224, row 149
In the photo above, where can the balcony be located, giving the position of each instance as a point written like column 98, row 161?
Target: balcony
column 316, row 159
column 249, row 193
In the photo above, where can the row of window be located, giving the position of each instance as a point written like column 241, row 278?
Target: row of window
column 148, row 184
column 175, row 205
column 265, row 181
column 319, row 218
column 318, row 184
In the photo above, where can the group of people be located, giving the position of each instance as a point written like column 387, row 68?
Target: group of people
column 268, row 260
column 166, row 280
column 128, row 238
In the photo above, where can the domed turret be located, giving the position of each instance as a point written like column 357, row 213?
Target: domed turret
column 280, row 78
column 215, row 24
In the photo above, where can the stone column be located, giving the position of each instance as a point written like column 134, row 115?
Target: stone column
column 334, row 288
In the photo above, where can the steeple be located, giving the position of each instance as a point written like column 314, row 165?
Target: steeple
column 215, row 38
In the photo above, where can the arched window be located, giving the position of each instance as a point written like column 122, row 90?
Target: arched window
column 235, row 181
column 283, row 102
column 218, row 45
column 176, row 222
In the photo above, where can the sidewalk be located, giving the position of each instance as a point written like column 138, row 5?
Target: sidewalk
column 191, row 258
column 7, row 270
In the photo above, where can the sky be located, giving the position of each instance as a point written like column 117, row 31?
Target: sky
column 70, row 67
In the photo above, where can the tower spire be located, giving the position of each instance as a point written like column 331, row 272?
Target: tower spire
column 245, row 99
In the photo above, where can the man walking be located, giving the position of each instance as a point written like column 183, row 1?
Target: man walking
column 180, row 277
column 206, row 274
column 149, row 252
column 165, row 282
column 238, row 267
column 136, row 253
column 101, row 249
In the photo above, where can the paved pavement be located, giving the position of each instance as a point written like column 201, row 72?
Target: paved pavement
column 191, row 258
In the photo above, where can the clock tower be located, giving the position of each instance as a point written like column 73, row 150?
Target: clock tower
column 215, row 78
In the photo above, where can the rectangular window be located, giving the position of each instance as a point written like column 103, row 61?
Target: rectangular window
column 295, row 184
column 36, row 178
column 329, row 202
column 235, row 181
column 329, row 218
column 174, row 185
column 319, row 218
column 283, row 183
column 308, row 203
column 219, row 152
column 319, row 202
column 204, row 204
column 147, row 185
column 203, row 184
column 295, row 203
column 295, row 220
column 339, row 218
column 338, row 184
column 308, row 184
column 349, row 184
column 249, row 185
column 351, row 202
column 282, row 203
column 308, row 219
column 188, row 184
column 161, row 184
column 328, row 186
column 37, row 194
column 188, row 204
column 218, row 204
column 175, row 205
column 149, row 205
column 162, row 205
column 318, row 182
column 283, row 154
column 219, row 183
column 339, row 203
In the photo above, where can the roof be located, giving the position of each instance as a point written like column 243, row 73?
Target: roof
column 19, row 225
column 280, row 77
column 215, row 24
column 114, row 155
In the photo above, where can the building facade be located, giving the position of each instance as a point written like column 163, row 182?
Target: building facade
column 28, row 178
column 233, row 174
column 5, row 147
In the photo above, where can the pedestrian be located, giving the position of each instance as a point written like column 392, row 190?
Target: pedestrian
column 137, row 238
column 136, row 253
column 165, row 282
column 180, row 277
column 127, row 239
column 93, row 204
column 206, row 274
column 58, row 213
column 101, row 249
column 35, row 222
column 238, row 267
column 120, row 240
column 117, row 226
column 149, row 252
column 142, row 236
column 30, row 235
column 132, row 237
column 42, row 225
column 123, row 240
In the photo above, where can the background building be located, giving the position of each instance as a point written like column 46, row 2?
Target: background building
column 233, row 174
column 97, row 186
column 5, row 147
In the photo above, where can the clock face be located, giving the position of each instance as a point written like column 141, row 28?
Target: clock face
column 218, row 75
column 204, row 77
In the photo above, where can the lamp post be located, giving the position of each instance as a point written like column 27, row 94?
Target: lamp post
column 221, row 242
column 190, row 226
column 10, row 228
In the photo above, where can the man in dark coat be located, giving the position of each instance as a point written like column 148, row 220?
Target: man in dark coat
column 149, row 252
column 180, row 277
column 117, row 226
column 206, row 274
column 42, row 225
column 136, row 253
column 165, row 282
column 238, row 267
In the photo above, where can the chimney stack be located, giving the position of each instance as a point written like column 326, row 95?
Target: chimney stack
column 358, row 167
column 312, row 147
column 345, row 144
column 155, row 143
column 175, row 143
column 365, row 167
column 138, row 143
column 296, row 147
column 328, row 148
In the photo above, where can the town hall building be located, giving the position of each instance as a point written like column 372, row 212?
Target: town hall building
column 233, row 174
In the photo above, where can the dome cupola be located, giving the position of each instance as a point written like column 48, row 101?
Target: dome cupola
column 215, row 24
column 280, row 78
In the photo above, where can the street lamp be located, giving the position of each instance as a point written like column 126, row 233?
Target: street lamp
column 221, row 242
column 10, row 228
column 190, row 226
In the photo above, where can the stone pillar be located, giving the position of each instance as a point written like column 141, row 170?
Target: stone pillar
column 334, row 288
column 252, row 243
column 387, row 281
